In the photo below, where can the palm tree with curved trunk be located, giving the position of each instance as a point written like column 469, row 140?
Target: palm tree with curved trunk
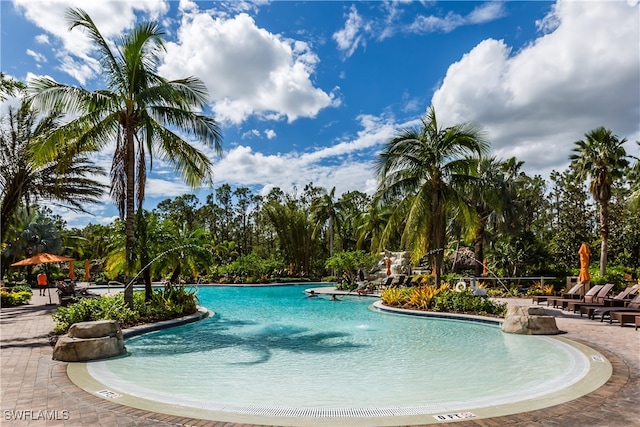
column 424, row 168
column 601, row 156
column 142, row 112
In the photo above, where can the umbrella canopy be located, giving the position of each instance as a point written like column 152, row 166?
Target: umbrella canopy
column 585, row 254
column 43, row 258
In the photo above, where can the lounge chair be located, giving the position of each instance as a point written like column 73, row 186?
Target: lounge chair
column 617, row 301
column 386, row 283
column 67, row 293
column 399, row 282
column 596, row 299
column 563, row 302
column 574, row 292
column 623, row 317
column 633, row 305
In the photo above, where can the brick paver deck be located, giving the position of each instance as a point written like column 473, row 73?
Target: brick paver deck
column 37, row 389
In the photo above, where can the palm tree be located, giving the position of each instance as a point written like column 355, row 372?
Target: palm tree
column 424, row 167
column 324, row 212
column 9, row 87
column 601, row 156
column 32, row 233
column 487, row 195
column 140, row 111
column 24, row 181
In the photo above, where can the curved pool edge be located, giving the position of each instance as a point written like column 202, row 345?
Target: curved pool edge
column 599, row 373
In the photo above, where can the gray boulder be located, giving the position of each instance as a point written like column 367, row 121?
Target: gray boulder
column 90, row 341
column 529, row 321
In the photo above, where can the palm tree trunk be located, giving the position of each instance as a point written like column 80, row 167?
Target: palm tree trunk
column 129, row 216
column 478, row 249
column 439, row 232
column 604, row 234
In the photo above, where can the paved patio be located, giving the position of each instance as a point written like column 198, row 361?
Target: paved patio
column 37, row 392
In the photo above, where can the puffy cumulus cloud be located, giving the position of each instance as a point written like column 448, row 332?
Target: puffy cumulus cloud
column 345, row 165
column 582, row 72
column 111, row 18
column 246, row 69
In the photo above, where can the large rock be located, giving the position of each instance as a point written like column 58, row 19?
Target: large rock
column 529, row 321
column 90, row 341
column 95, row 329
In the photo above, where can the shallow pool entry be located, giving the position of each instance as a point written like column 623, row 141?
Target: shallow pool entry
column 272, row 351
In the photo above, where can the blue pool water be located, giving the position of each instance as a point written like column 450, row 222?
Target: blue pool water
column 273, row 347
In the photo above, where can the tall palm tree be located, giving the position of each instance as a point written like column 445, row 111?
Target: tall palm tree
column 424, row 167
column 601, row 156
column 25, row 181
column 139, row 110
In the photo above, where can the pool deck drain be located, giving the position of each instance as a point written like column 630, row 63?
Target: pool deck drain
column 32, row 381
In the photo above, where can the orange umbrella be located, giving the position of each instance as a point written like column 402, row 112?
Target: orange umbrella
column 72, row 275
column 584, row 253
column 388, row 262
column 43, row 258
column 87, row 269
column 484, row 267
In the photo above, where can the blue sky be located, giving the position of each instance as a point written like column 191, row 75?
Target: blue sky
column 310, row 91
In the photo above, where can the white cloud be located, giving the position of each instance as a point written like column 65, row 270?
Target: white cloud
column 484, row 13
column 270, row 133
column 37, row 56
column 111, row 18
column 582, row 73
column 248, row 70
column 166, row 187
column 340, row 165
column 350, row 37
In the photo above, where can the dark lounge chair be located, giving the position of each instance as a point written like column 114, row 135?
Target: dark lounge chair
column 562, row 302
column 597, row 299
column 386, row 283
column 574, row 292
column 67, row 293
column 626, row 317
column 633, row 305
column 617, row 301
column 399, row 282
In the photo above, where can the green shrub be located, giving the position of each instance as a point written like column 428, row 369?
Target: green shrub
column 22, row 288
column 13, row 298
column 167, row 303
column 467, row 302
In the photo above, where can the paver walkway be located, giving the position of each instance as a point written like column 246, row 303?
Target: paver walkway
column 36, row 389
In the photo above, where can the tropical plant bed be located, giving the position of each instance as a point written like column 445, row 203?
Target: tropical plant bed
column 165, row 304
column 442, row 299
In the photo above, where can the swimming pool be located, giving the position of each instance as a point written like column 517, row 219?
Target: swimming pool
column 272, row 351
